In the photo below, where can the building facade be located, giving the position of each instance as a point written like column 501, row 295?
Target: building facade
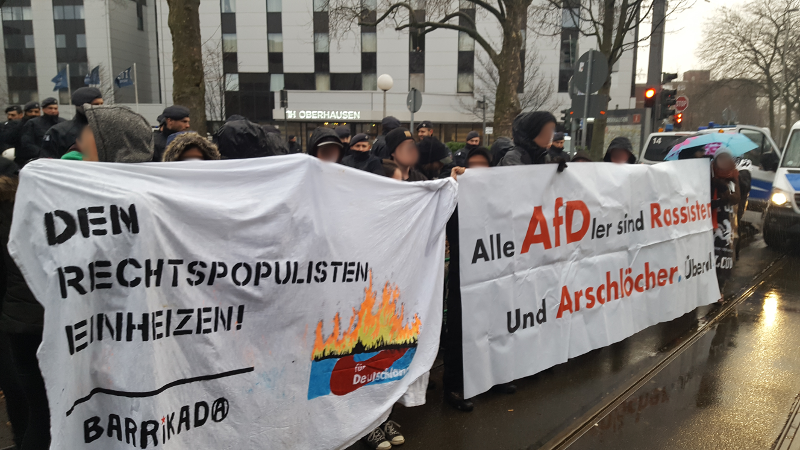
column 254, row 48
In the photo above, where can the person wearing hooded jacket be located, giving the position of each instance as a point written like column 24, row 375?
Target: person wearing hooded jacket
column 388, row 124
column 60, row 138
column 240, row 138
column 533, row 134
column 33, row 132
column 435, row 159
column 190, row 146
column 325, row 145
column 499, row 148
column 620, row 151
column 360, row 158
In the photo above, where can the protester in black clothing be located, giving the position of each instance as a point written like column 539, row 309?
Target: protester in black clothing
column 533, row 133
column 294, row 146
column 556, row 150
column 33, row 132
column 325, row 145
column 176, row 119
column 500, row 147
column 392, row 170
column 620, row 151
column 14, row 112
column 379, row 146
column 435, row 159
column 401, row 146
column 343, row 131
column 60, row 138
column 360, row 158
column 12, row 131
column 240, row 138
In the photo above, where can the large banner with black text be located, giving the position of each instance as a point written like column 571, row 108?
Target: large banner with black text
column 554, row 265
column 280, row 302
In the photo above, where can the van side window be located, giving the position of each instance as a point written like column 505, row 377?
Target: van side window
column 760, row 140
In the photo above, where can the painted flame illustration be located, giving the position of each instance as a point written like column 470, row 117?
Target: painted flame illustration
column 369, row 331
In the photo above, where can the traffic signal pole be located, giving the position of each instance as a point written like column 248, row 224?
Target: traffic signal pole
column 586, row 103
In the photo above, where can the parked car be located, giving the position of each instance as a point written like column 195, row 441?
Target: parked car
column 781, row 218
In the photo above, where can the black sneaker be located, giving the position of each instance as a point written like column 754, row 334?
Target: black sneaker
column 390, row 430
column 505, row 388
column 376, row 440
column 458, row 402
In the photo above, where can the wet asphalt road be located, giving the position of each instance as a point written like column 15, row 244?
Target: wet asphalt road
column 732, row 389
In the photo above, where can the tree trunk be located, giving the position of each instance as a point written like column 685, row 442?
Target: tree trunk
column 509, row 70
column 188, row 88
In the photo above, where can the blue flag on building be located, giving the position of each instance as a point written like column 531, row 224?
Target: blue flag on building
column 92, row 77
column 61, row 80
column 124, row 79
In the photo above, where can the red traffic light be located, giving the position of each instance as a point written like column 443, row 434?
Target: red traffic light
column 650, row 97
column 650, row 93
column 678, row 117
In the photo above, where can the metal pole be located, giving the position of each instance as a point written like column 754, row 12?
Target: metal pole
column 586, row 100
column 573, row 133
column 413, row 106
column 69, row 87
column 384, row 103
column 484, row 122
column 135, row 87
column 286, row 124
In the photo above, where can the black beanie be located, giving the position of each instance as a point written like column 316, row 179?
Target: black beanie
column 388, row 124
column 49, row 101
column 395, row 138
column 472, row 135
column 85, row 95
column 342, row 131
column 482, row 151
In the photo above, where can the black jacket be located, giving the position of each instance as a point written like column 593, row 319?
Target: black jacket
column 160, row 143
column 294, row 147
column 60, row 137
column 364, row 161
column 525, row 129
column 499, row 149
column 32, row 138
column 379, row 148
column 239, row 138
column 19, row 310
column 12, row 133
column 556, row 154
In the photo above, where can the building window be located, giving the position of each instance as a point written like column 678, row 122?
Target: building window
column 566, row 66
column 323, row 81
column 464, row 83
column 61, row 41
column 416, row 81
column 320, row 5
column 139, row 16
column 229, row 43
column 274, row 6
column 17, row 13
column 81, row 40
column 231, row 81
column 369, row 82
column 29, row 41
column 370, row 5
column 274, row 42
column 321, row 43
column 369, row 42
column 228, row 6
column 276, row 82
column 465, row 42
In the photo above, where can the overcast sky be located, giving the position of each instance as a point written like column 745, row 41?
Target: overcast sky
column 683, row 34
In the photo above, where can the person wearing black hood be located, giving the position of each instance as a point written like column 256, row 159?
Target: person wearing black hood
column 60, row 138
column 360, row 158
column 435, row 159
column 12, row 132
column 500, row 147
column 176, row 119
column 240, row 138
column 379, row 147
column 33, row 132
column 533, row 134
column 620, row 151
column 294, row 147
column 325, row 145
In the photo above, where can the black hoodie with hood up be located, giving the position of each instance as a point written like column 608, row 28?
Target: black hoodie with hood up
column 526, row 128
column 499, row 148
column 322, row 135
column 623, row 143
column 379, row 147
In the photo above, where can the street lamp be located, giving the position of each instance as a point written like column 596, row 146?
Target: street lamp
column 385, row 83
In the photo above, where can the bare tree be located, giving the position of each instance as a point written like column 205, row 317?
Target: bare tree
column 614, row 25
column 539, row 92
column 216, row 81
column 423, row 16
column 188, row 87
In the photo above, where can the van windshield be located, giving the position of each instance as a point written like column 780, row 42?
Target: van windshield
column 792, row 156
column 659, row 146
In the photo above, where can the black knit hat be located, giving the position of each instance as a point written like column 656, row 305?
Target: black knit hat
column 396, row 137
column 472, row 135
column 342, row 131
column 49, row 101
column 85, row 95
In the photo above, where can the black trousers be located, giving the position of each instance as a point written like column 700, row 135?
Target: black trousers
column 10, row 384
column 453, row 378
column 23, row 349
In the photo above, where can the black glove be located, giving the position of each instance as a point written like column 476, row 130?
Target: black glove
column 562, row 164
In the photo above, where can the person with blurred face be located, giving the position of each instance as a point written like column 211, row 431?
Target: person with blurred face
column 401, row 146
column 533, row 134
column 34, row 131
column 115, row 134
column 620, row 151
column 391, row 170
column 325, row 145
column 424, row 129
column 360, row 157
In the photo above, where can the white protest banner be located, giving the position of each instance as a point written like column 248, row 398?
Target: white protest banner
column 555, row 265
column 280, row 302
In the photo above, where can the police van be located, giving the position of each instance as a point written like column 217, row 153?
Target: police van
column 781, row 219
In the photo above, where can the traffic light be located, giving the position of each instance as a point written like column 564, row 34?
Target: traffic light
column 284, row 98
column 668, row 98
column 668, row 77
column 564, row 115
column 678, row 120
column 649, row 97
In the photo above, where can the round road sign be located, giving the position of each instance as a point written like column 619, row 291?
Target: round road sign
column 681, row 103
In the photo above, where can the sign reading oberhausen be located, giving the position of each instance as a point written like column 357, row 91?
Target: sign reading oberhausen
column 326, row 115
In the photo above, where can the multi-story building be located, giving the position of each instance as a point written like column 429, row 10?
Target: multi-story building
column 254, row 48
